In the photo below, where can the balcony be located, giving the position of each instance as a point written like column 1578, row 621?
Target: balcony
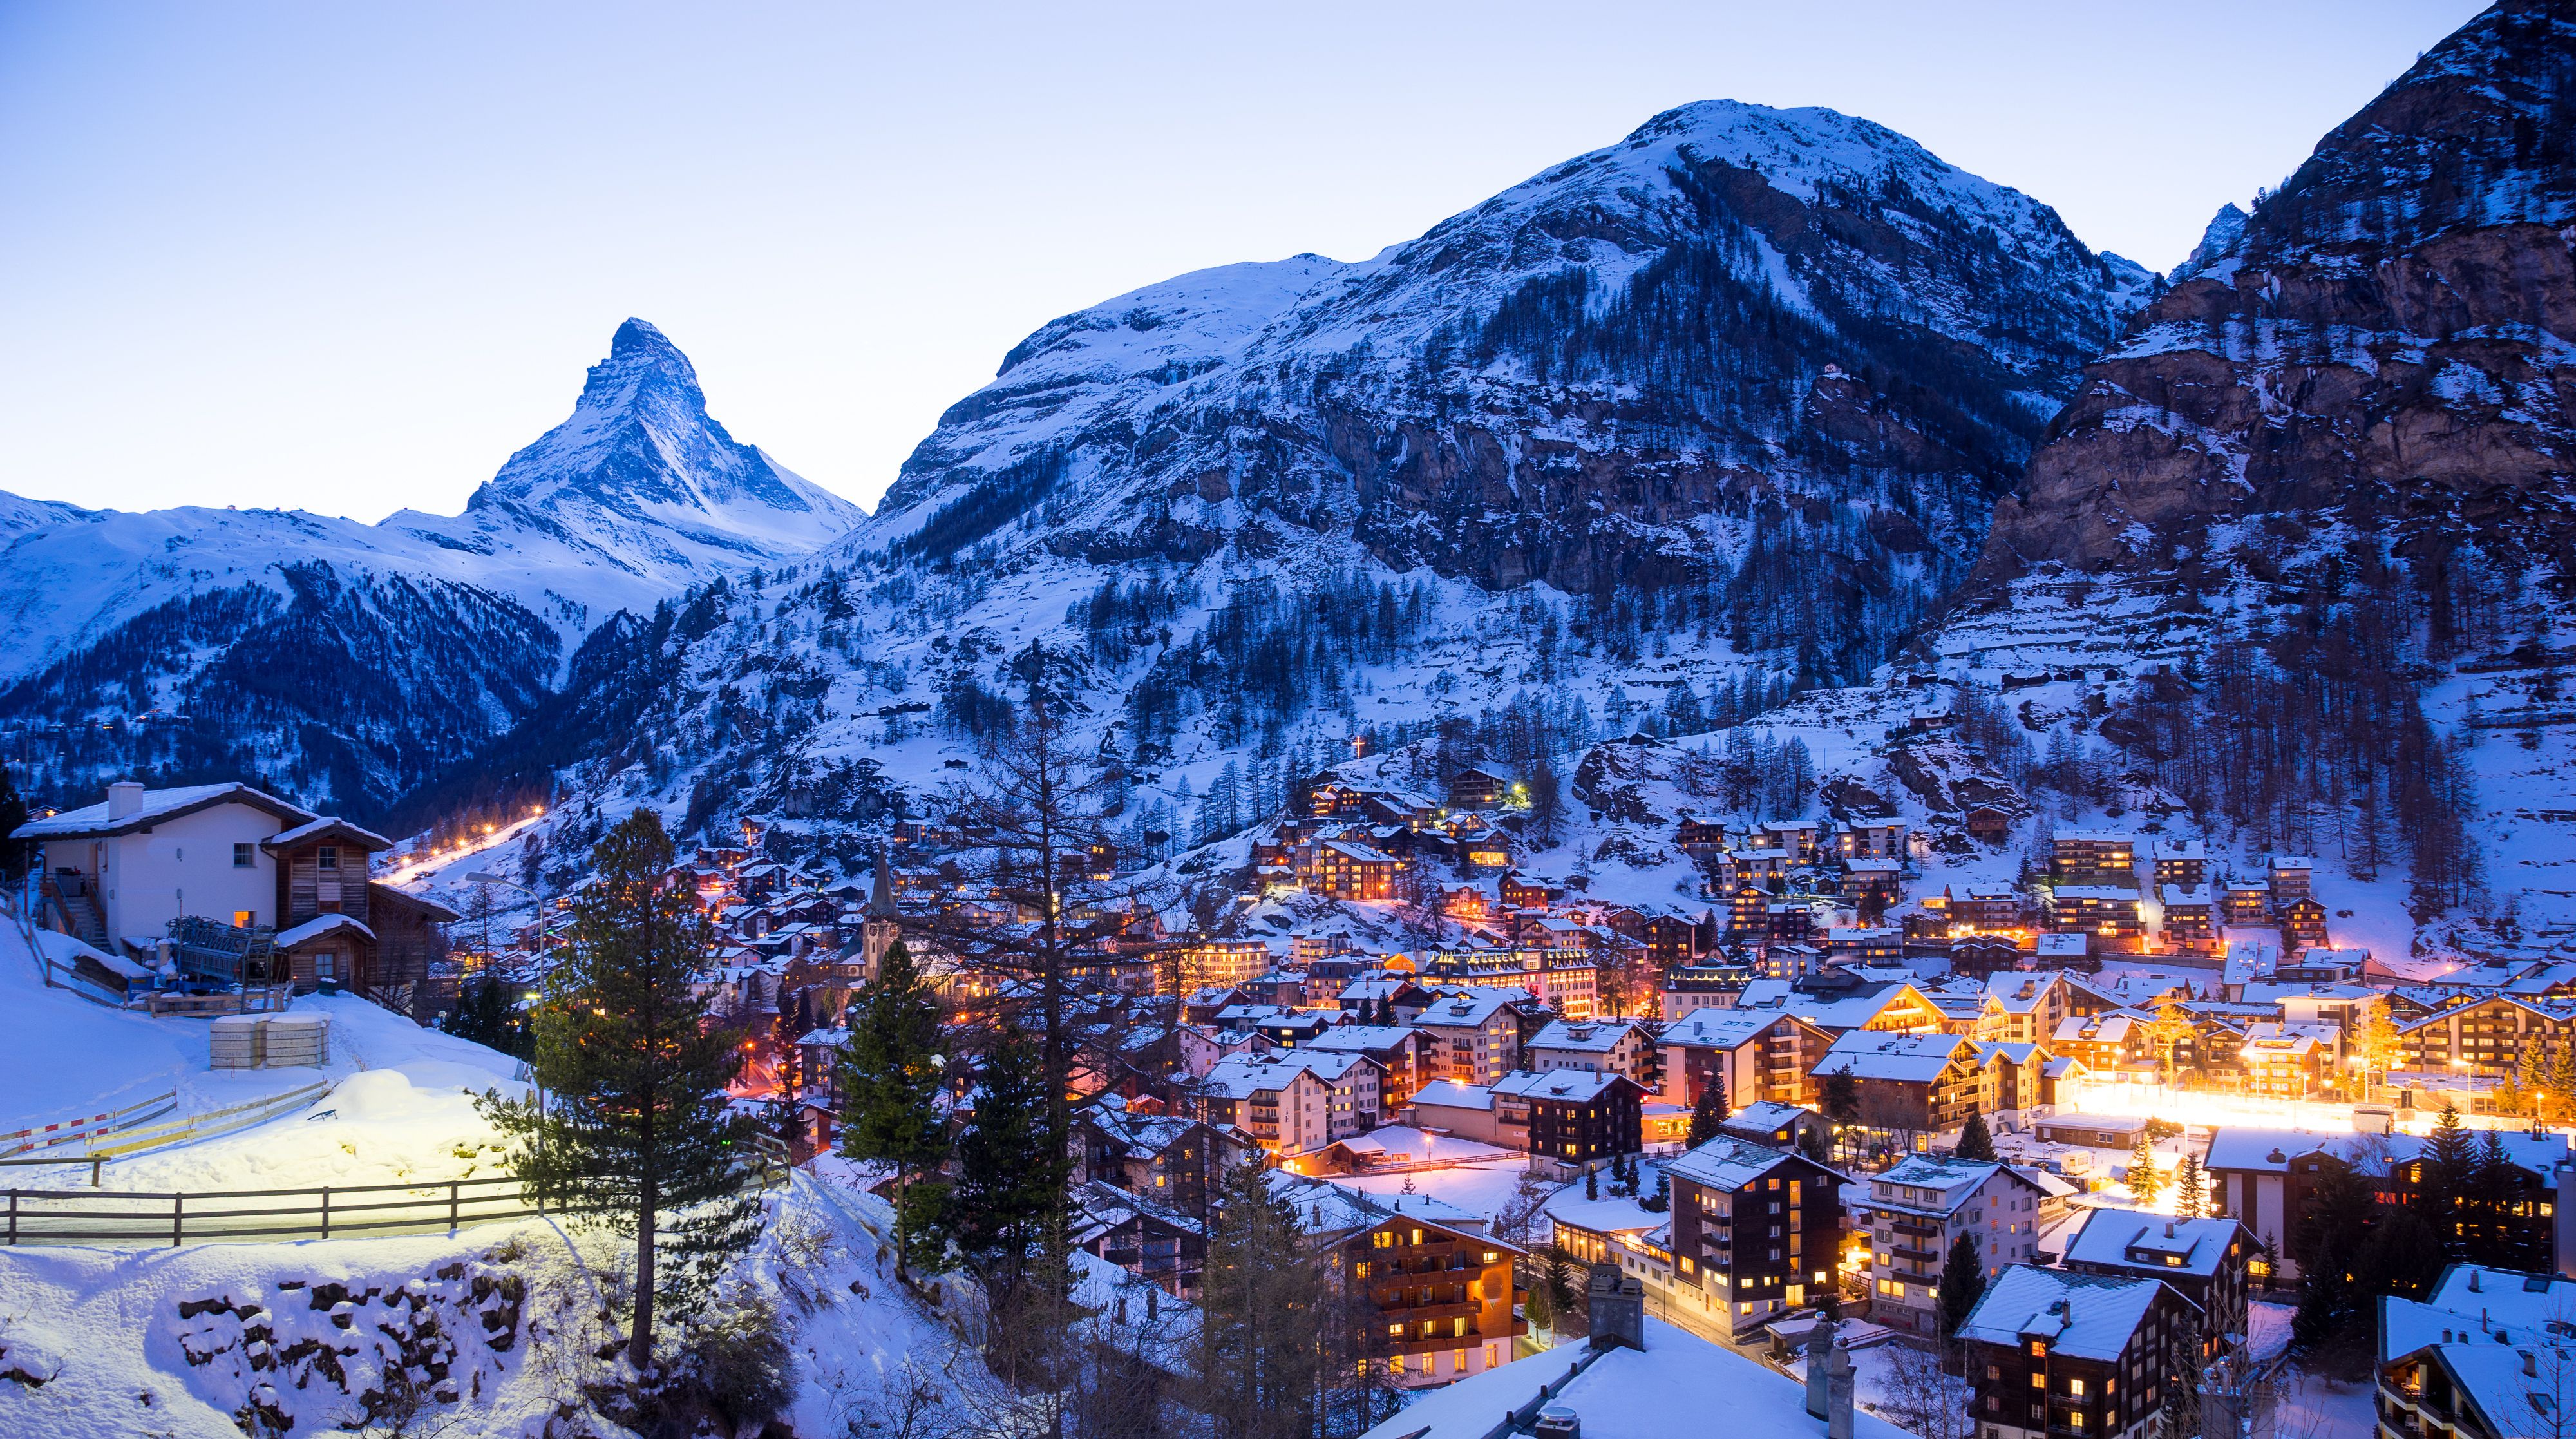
column 1439, row 1313
column 1916, row 1256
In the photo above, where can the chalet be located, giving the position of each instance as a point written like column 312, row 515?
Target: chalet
column 1754, row 1228
column 2112, row 1043
column 1518, row 893
column 2093, row 857
column 2205, row 1260
column 1748, row 909
column 1918, row 1209
column 1752, row 1055
column 1798, row 839
column 1871, row 839
column 2246, row 902
column 2303, row 923
column 2052, row 1353
column 1873, row 884
column 1346, row 869
column 1702, row 986
column 2183, row 863
column 1788, row 923
column 1779, row 1126
column 2190, row 918
column 1170, row 1158
column 1700, row 838
column 2267, row 1178
column 1576, row 1117
column 2024, row 1008
column 2291, row 878
column 2288, row 1061
column 2486, row 1353
column 1479, row 787
column 1911, row 1086
column 1985, row 955
column 1992, row 823
column 1475, row 1035
column 2014, row 1077
column 2486, row 1037
column 1157, row 1242
column 1379, row 1001
column 1285, row 1108
column 1438, row 1288
column 118, row 874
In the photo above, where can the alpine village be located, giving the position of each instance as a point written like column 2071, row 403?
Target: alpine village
column 1743, row 792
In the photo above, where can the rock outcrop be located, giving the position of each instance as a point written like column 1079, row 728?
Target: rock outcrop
column 2390, row 338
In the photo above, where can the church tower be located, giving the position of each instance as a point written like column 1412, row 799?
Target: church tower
column 879, row 931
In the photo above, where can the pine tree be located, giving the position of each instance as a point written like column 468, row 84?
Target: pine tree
column 1010, row 1190
column 1261, row 1303
column 2144, row 1180
column 15, row 854
column 639, row 1133
column 2450, row 1157
column 487, row 1013
column 1975, row 1142
column 2191, row 1188
column 1708, row 1113
column 1591, row 1184
column 1547, row 801
column 889, row 1079
column 1963, row 1282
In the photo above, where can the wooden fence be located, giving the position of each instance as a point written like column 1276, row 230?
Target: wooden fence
column 275, row 1216
column 110, row 1217
column 139, row 1139
column 88, row 1127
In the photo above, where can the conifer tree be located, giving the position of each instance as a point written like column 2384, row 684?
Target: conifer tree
column 2191, row 1188
column 1963, row 1282
column 1708, row 1113
column 1261, row 1299
column 487, row 1014
column 1975, row 1142
column 2144, row 1180
column 15, row 854
column 639, row 1132
column 889, row 1077
column 2450, row 1156
column 1009, row 1199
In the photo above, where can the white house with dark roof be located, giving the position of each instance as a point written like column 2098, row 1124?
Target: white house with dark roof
column 122, row 869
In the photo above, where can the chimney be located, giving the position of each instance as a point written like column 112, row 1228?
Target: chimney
column 1820, row 1342
column 1618, row 1307
column 123, row 798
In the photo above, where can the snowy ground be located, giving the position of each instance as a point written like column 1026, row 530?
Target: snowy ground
column 1477, row 1188
column 401, row 1106
column 102, row 1327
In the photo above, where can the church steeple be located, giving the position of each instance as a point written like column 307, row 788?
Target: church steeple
column 881, row 891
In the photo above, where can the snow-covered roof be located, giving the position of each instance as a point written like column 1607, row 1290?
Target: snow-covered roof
column 91, row 821
column 327, row 824
column 1570, row 1086
column 1360, row 1038
column 2134, row 1238
column 1671, row 1387
column 1716, row 1028
column 1877, row 1054
column 1450, row 1094
column 1727, row 1163
column 320, row 926
column 1768, row 1117
column 1583, row 1036
column 2079, row 1316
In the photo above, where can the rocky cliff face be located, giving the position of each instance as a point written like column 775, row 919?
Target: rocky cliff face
column 2388, row 340
column 1787, row 356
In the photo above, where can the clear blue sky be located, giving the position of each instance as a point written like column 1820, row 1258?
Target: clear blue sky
column 348, row 257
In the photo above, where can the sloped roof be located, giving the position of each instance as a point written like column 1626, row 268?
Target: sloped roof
column 2080, row 1316
column 1876, row 1054
column 320, row 926
column 91, row 821
column 1727, row 1163
column 2108, row 1236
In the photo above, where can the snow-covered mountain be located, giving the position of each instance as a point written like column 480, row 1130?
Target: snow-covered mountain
column 1643, row 441
column 1738, row 334
column 345, row 662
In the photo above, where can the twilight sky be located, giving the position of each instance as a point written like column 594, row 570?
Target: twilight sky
column 348, row 258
